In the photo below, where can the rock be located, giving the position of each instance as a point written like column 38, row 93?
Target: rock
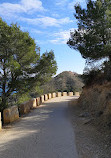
column 85, row 114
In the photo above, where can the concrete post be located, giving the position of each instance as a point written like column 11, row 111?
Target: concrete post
column 42, row 98
column 59, row 94
column 53, row 95
column 38, row 101
column 64, row 94
column 45, row 97
column 49, row 96
column 24, row 108
column 10, row 114
column 77, row 94
column 33, row 103
column 70, row 94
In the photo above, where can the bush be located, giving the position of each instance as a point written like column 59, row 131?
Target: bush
column 90, row 77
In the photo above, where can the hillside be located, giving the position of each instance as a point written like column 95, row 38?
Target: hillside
column 65, row 81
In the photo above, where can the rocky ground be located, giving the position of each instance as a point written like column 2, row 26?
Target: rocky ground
column 91, row 141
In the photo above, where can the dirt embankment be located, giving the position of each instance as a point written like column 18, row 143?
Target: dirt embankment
column 96, row 102
column 91, row 119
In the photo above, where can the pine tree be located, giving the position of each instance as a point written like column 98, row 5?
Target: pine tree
column 93, row 36
column 21, row 67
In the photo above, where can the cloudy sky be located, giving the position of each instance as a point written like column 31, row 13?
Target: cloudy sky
column 49, row 22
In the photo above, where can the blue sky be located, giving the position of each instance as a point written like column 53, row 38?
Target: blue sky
column 49, row 22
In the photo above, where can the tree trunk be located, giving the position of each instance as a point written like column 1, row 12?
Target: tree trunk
column 110, row 58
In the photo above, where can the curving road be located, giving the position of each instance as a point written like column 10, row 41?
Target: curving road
column 46, row 132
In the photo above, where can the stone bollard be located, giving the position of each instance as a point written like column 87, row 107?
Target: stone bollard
column 45, row 97
column 32, row 103
column 77, row 94
column 59, row 94
column 64, row 94
column 49, row 96
column 70, row 94
column 38, row 101
column 10, row 114
column 53, row 95
column 42, row 98
column 0, row 121
column 24, row 108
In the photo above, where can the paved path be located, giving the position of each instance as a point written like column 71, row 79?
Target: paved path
column 46, row 132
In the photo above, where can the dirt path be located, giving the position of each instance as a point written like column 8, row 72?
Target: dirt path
column 91, row 141
column 46, row 132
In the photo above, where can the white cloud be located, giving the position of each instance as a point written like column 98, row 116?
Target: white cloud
column 25, row 6
column 47, row 21
column 32, row 4
column 61, row 37
column 36, row 31
column 61, row 3
column 55, row 15
column 68, row 3
column 32, row 30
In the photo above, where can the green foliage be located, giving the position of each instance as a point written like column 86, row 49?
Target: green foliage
column 65, row 81
column 90, row 77
column 93, row 36
column 22, row 98
column 21, row 67
column 36, row 91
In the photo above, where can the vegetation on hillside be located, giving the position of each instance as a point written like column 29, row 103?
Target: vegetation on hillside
column 93, row 39
column 22, row 69
column 65, row 81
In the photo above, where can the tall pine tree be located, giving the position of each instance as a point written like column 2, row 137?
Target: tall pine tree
column 21, row 67
column 93, row 36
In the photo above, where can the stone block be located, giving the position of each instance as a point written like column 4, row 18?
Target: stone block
column 53, row 95
column 10, row 114
column 42, row 98
column 70, row 94
column 38, row 101
column 0, row 121
column 24, row 108
column 33, row 103
column 59, row 94
column 77, row 94
column 64, row 94
column 45, row 97
column 49, row 96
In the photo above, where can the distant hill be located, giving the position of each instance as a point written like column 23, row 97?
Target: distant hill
column 65, row 81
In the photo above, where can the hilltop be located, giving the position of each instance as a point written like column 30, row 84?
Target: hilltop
column 65, row 81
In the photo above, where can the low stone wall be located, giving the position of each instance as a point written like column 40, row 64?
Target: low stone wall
column 53, row 95
column 59, row 94
column 0, row 121
column 64, row 94
column 45, row 97
column 70, row 94
column 38, row 101
column 10, row 114
column 42, row 98
column 77, row 94
column 24, row 108
column 49, row 96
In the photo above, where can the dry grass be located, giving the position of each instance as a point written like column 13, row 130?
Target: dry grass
column 97, row 101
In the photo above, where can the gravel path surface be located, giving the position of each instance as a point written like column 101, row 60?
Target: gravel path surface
column 46, row 132
column 91, row 141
